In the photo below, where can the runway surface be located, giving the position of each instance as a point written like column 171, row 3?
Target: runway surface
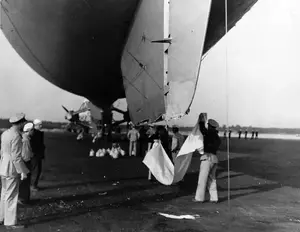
column 82, row 193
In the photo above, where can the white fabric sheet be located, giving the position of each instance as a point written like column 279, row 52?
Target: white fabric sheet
column 161, row 166
column 191, row 217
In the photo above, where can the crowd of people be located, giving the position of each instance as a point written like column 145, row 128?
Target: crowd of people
column 23, row 151
column 22, row 154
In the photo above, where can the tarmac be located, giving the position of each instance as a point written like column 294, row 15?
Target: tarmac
column 82, row 193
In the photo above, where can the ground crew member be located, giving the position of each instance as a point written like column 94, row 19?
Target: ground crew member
column 11, row 167
column 209, row 160
column 151, row 133
column 143, row 141
column 163, row 136
column 240, row 133
column 252, row 136
column 38, row 149
column 133, row 136
column 27, row 154
column 177, row 142
column 246, row 133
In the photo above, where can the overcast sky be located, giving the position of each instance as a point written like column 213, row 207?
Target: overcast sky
column 263, row 74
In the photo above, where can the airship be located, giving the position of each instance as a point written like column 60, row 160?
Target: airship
column 147, row 51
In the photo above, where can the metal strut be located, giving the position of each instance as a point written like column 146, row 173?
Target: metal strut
column 166, row 40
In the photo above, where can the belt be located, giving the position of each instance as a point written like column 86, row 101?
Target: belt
column 210, row 157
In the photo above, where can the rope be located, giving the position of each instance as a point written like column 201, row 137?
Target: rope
column 227, row 103
column 1, row 19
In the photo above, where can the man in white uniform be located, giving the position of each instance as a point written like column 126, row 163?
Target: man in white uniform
column 11, row 167
column 133, row 136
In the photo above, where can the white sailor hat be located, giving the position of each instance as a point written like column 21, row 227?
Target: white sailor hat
column 17, row 118
column 28, row 126
column 37, row 121
column 213, row 123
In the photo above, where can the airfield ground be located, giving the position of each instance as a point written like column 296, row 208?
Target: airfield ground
column 81, row 193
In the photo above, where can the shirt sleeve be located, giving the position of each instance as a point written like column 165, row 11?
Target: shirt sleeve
column 202, row 128
column 26, row 150
column 16, row 155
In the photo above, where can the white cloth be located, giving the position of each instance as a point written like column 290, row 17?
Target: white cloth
column 161, row 166
column 186, row 216
column 37, row 122
column 28, row 127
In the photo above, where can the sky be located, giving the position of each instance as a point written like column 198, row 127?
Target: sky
column 261, row 83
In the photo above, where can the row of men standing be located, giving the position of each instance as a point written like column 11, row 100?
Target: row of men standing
column 21, row 162
column 254, row 134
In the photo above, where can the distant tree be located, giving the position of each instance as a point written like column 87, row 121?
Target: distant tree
column 238, row 127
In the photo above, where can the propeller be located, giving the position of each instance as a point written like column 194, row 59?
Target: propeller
column 69, row 113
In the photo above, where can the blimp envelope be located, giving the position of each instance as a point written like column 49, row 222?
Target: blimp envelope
column 162, row 56
column 161, row 166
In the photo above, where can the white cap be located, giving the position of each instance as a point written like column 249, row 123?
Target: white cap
column 16, row 118
column 37, row 122
column 28, row 127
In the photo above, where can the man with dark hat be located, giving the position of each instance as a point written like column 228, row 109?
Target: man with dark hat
column 177, row 142
column 209, row 160
column 11, row 167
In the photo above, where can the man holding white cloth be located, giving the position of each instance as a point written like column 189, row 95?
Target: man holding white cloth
column 209, row 160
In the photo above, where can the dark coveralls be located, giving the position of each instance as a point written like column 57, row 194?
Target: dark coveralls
column 38, row 150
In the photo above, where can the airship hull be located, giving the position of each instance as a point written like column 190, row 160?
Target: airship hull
column 74, row 44
column 77, row 44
